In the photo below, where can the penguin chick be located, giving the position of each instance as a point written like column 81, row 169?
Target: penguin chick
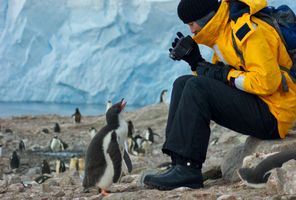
column 57, row 144
column 77, row 115
column 22, row 146
column 105, row 153
column 14, row 161
column 45, row 168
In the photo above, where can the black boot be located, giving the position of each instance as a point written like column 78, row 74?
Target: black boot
column 184, row 173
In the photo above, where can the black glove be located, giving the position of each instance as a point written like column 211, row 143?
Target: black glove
column 216, row 71
column 185, row 48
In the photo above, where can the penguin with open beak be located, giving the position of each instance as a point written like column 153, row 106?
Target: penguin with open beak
column 106, row 157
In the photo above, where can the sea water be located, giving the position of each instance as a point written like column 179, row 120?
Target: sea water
column 10, row 109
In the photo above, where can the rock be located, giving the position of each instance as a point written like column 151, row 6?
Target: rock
column 234, row 159
column 45, row 188
column 59, row 194
column 231, row 162
column 227, row 197
column 282, row 180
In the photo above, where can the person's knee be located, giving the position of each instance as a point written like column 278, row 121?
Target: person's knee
column 198, row 83
column 181, row 81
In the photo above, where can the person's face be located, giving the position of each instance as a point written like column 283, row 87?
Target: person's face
column 194, row 27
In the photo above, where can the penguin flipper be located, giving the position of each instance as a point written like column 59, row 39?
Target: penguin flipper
column 115, row 155
column 127, row 161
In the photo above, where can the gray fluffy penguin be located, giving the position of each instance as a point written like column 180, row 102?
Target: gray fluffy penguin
column 105, row 154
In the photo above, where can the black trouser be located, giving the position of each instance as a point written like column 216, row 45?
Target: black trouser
column 197, row 100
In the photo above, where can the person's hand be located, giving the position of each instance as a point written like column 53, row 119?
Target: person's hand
column 185, row 48
column 216, row 71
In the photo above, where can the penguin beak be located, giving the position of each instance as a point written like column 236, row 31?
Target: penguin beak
column 122, row 105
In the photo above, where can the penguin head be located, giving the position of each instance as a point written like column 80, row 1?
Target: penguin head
column 113, row 113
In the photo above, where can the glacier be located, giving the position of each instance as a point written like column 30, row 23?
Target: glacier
column 90, row 51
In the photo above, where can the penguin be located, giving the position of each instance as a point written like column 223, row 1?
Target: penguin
column 163, row 96
column 149, row 135
column 45, row 168
column 92, row 132
column 22, row 146
column 108, row 105
column 0, row 150
column 258, row 176
column 73, row 167
column 14, row 161
column 106, row 155
column 60, row 166
column 57, row 144
column 77, row 115
column 131, row 129
column 56, row 128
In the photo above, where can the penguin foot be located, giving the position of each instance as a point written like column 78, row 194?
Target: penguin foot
column 104, row 192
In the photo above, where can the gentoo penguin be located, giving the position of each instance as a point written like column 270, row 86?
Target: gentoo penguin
column 57, row 144
column 77, row 116
column 258, row 176
column 45, row 168
column 14, row 161
column 163, row 96
column 105, row 153
column 22, row 146
column 92, row 132
column 131, row 129
column 108, row 105
column 73, row 167
column 56, row 128
column 149, row 135
column 60, row 166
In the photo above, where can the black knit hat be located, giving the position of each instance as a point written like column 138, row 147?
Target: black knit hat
column 192, row 10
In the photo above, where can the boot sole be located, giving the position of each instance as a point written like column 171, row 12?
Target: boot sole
column 163, row 188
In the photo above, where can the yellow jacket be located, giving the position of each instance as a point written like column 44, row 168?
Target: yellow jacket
column 263, row 53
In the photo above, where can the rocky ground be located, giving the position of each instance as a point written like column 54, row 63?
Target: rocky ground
column 67, row 185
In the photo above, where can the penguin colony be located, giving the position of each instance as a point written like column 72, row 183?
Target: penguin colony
column 138, row 145
column 106, row 158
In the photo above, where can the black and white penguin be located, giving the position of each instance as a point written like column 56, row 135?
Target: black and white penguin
column 258, row 176
column 14, row 161
column 57, row 144
column 162, row 97
column 108, row 105
column 45, row 168
column 60, row 166
column 92, row 131
column 77, row 115
column 131, row 129
column 105, row 154
column 56, row 128
column 149, row 135
column 22, row 146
